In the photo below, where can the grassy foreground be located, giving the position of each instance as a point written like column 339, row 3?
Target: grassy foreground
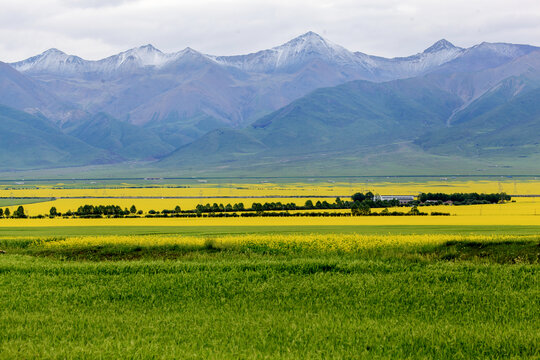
column 268, row 296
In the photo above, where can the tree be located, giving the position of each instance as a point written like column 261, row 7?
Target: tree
column 238, row 207
column 133, row 209
column 414, row 211
column 309, row 204
column 1, row 212
column 358, row 197
column 364, row 209
column 177, row 209
column 19, row 213
column 369, row 195
column 360, row 209
column 7, row 212
column 53, row 212
column 354, row 208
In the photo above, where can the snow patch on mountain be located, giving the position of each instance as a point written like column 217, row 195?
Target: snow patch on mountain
column 52, row 60
column 146, row 55
column 512, row 51
column 311, row 46
column 56, row 62
column 287, row 58
column 438, row 54
column 440, row 45
column 298, row 51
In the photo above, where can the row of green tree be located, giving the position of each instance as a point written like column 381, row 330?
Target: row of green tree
column 97, row 211
column 356, row 199
column 359, row 200
column 363, row 209
column 465, row 198
column 91, row 211
column 17, row 214
column 385, row 212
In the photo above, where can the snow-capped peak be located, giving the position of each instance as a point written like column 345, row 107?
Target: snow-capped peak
column 187, row 55
column 308, row 38
column 55, row 61
column 439, row 53
column 53, row 52
column 299, row 50
column 309, row 49
column 51, row 60
column 146, row 55
column 310, row 41
column 188, row 51
column 504, row 49
column 440, row 45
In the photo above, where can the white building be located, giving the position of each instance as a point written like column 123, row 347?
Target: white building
column 403, row 199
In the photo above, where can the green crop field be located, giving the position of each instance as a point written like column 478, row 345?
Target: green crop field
column 11, row 202
column 446, row 299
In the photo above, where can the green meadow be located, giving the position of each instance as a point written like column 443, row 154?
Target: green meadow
column 11, row 202
column 457, row 300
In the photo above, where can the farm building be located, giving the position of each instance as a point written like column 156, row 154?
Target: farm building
column 403, row 199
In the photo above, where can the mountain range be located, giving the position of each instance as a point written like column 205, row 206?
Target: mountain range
column 298, row 103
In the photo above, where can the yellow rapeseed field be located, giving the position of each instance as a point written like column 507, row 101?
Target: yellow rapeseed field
column 316, row 242
column 510, row 186
column 521, row 206
column 524, row 211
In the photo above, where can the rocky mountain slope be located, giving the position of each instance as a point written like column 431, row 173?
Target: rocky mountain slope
column 306, row 98
column 180, row 96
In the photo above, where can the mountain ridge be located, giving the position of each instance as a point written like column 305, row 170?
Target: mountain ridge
column 148, row 55
column 257, row 106
column 184, row 94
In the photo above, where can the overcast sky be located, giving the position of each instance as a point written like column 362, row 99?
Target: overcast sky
column 95, row 29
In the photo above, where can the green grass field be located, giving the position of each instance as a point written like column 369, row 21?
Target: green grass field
column 458, row 300
column 11, row 202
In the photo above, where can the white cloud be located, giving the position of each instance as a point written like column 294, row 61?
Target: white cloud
column 98, row 28
column 95, row 3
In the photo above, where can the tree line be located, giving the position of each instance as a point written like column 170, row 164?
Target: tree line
column 360, row 204
column 19, row 213
column 356, row 200
column 464, row 198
